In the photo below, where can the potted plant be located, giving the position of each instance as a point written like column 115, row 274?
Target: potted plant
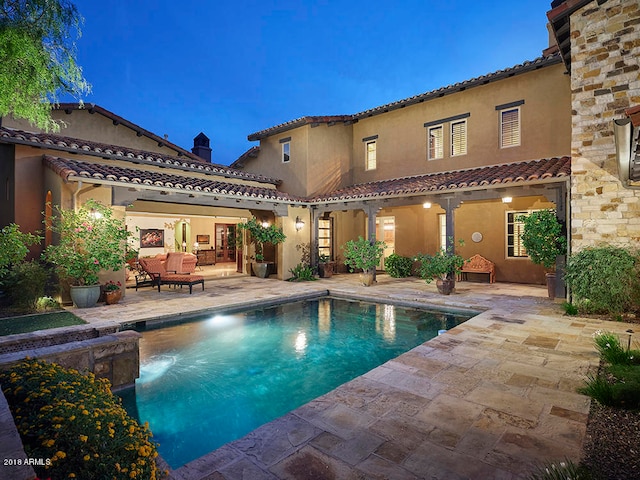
column 260, row 235
column 112, row 292
column 90, row 240
column 444, row 266
column 544, row 241
column 325, row 266
column 364, row 255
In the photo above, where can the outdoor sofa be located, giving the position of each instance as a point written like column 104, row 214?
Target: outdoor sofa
column 170, row 271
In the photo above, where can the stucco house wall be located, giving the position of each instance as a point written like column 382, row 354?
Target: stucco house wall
column 402, row 136
column 100, row 125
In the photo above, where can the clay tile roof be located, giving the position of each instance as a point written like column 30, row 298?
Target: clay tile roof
column 518, row 173
column 76, row 145
column 70, row 170
column 634, row 114
column 242, row 159
column 314, row 120
column 464, row 85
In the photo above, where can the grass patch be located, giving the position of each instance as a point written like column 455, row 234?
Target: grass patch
column 38, row 321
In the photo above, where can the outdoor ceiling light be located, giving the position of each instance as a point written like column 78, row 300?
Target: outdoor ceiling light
column 506, row 199
column 299, row 224
column 426, row 205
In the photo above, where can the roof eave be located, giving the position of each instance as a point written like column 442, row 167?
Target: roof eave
column 559, row 17
column 217, row 170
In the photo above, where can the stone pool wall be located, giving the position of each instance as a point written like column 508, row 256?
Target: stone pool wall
column 102, row 350
column 55, row 336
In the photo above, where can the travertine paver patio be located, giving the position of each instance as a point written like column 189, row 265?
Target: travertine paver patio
column 489, row 399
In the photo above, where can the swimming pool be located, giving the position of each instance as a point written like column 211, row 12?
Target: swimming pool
column 212, row 380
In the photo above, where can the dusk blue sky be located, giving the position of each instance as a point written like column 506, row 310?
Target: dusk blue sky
column 230, row 69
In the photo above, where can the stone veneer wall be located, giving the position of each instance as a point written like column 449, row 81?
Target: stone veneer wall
column 113, row 356
column 605, row 80
column 55, row 336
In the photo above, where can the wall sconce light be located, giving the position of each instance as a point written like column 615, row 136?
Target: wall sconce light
column 426, row 205
column 506, row 199
column 299, row 224
column 265, row 224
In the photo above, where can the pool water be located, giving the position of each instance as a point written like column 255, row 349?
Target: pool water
column 213, row 380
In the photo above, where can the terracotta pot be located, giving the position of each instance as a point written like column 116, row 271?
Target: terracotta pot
column 112, row 296
column 85, row 296
column 366, row 278
column 445, row 287
column 551, row 285
column 325, row 270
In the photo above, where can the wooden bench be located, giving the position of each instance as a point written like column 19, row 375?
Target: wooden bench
column 478, row 264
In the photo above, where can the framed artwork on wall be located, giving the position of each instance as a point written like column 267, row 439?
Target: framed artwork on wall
column 151, row 237
column 202, row 239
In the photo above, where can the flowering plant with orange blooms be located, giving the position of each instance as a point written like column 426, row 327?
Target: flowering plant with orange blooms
column 76, row 425
column 90, row 240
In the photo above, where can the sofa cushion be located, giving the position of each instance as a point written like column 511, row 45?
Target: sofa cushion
column 174, row 262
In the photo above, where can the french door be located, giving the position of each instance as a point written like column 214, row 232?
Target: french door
column 225, row 242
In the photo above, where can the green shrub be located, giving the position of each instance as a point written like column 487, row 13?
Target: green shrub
column 398, row 266
column 618, row 382
column 301, row 273
column 14, row 246
column 603, row 279
column 44, row 304
column 362, row 254
column 565, row 470
column 569, row 308
column 77, row 424
column 25, row 284
column 599, row 389
column 610, row 349
column 542, row 237
column 612, row 391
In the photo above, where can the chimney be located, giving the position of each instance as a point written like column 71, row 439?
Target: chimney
column 553, row 43
column 201, row 147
